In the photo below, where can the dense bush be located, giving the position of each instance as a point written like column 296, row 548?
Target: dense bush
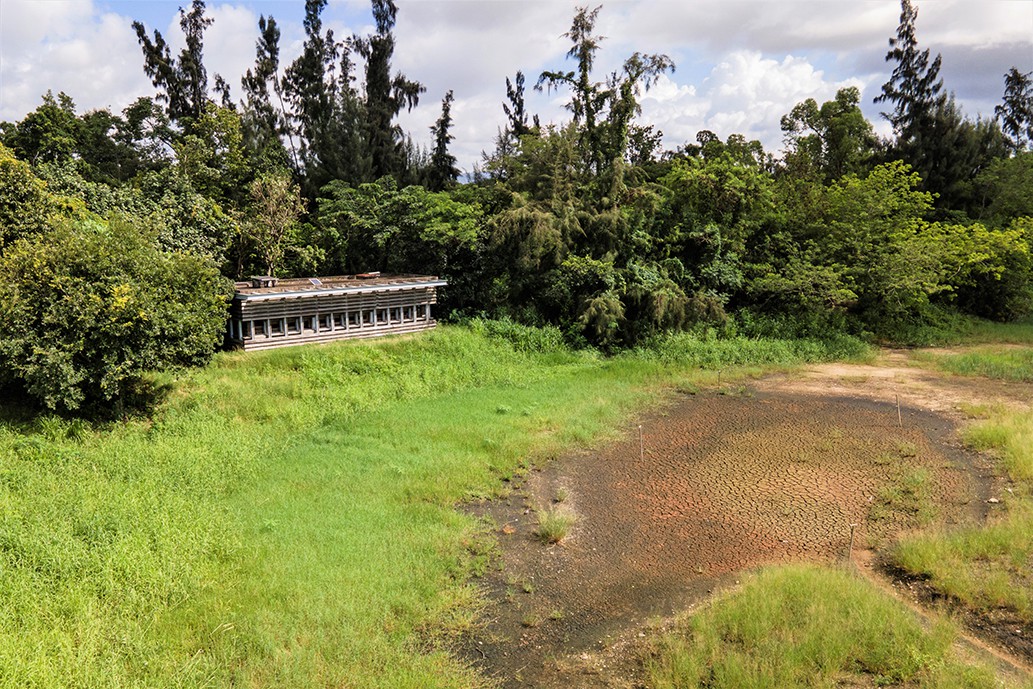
column 87, row 307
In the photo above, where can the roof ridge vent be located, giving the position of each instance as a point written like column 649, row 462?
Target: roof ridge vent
column 263, row 281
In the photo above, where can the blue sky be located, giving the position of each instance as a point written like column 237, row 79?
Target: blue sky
column 741, row 64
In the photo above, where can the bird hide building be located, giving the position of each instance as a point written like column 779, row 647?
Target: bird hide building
column 268, row 312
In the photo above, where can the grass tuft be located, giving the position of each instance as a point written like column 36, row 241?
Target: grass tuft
column 554, row 524
column 806, row 626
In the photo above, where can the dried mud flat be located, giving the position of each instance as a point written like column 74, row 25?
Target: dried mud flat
column 706, row 487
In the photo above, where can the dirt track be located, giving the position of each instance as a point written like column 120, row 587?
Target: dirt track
column 720, row 482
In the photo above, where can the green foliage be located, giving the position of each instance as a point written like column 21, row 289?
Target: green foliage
column 25, row 203
column 378, row 226
column 89, row 307
column 830, row 141
column 1007, row 189
column 805, row 626
column 273, row 213
column 213, row 158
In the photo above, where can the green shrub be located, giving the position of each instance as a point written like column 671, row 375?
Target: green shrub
column 524, row 338
column 88, row 307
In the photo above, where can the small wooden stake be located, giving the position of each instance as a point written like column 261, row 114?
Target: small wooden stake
column 850, row 548
column 900, row 421
column 641, row 445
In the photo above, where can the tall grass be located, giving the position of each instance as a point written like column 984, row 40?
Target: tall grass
column 287, row 519
column 711, row 352
column 806, row 626
column 985, row 568
column 946, row 327
column 1015, row 364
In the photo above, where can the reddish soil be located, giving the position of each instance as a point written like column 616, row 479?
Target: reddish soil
column 720, row 482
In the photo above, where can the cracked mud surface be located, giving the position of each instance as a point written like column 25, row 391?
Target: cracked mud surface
column 776, row 471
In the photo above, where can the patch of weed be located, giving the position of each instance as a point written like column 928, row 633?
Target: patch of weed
column 554, row 524
column 805, row 626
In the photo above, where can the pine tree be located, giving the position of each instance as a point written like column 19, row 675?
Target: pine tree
column 915, row 86
column 517, row 114
column 385, row 95
column 1015, row 113
column 443, row 172
column 183, row 82
column 325, row 112
column 265, row 121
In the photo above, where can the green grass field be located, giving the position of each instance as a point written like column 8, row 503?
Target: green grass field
column 288, row 518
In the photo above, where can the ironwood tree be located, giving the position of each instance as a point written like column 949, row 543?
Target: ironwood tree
column 386, row 95
column 182, row 82
column 442, row 172
column 1015, row 113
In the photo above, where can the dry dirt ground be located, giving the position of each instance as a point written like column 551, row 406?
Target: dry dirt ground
column 715, row 483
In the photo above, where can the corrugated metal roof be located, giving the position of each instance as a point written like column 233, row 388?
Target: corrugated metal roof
column 302, row 287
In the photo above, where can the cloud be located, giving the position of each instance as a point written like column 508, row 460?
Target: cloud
column 66, row 46
column 746, row 93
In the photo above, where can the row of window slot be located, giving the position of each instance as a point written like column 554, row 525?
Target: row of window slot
column 296, row 325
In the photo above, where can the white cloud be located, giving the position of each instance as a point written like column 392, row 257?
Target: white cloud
column 66, row 46
column 744, row 94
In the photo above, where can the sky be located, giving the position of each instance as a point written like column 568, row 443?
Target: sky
column 740, row 64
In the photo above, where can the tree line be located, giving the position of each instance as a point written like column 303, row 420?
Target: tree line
column 120, row 233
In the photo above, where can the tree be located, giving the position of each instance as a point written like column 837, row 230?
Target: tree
column 944, row 148
column 1015, row 113
column 88, row 307
column 47, row 134
column 213, row 157
column 832, row 140
column 265, row 122
column 914, row 88
column 1006, row 190
column 324, row 106
column 603, row 111
column 443, row 172
column 515, row 110
column 385, row 95
column 275, row 206
column 182, row 82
